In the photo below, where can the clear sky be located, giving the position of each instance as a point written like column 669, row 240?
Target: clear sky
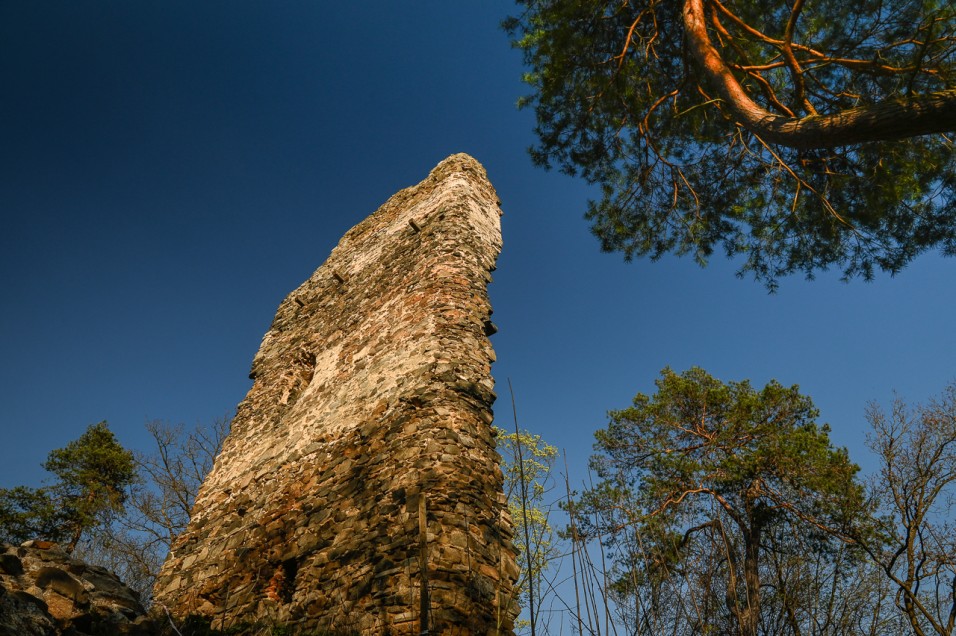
column 169, row 171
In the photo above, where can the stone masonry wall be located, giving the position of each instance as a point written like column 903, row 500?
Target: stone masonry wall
column 359, row 489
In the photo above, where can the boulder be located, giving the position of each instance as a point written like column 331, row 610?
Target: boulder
column 45, row 592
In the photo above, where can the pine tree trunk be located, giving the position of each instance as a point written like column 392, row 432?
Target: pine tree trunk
column 890, row 119
column 750, row 616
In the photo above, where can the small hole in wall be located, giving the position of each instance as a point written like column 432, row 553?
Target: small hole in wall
column 291, row 568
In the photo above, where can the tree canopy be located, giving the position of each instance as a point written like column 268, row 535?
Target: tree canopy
column 721, row 469
column 92, row 473
column 795, row 135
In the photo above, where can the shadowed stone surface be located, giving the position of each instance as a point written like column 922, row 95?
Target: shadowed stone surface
column 45, row 592
column 359, row 488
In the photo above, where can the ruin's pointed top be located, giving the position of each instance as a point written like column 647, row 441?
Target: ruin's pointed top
column 462, row 164
column 459, row 161
column 459, row 157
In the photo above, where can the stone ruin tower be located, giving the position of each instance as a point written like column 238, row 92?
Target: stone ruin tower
column 359, row 487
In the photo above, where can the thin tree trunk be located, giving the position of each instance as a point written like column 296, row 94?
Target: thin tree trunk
column 528, row 556
column 574, row 546
column 750, row 618
column 74, row 540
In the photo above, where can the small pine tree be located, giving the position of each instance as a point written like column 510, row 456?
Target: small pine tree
column 93, row 474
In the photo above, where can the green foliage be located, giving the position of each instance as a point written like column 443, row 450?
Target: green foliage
column 29, row 513
column 756, row 452
column 528, row 503
column 92, row 477
column 709, row 473
column 620, row 103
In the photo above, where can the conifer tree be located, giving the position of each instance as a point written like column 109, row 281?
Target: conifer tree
column 93, row 474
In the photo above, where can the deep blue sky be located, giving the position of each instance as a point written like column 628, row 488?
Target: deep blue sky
column 169, row 171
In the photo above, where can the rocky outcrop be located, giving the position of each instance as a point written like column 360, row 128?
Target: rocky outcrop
column 44, row 592
column 359, row 488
